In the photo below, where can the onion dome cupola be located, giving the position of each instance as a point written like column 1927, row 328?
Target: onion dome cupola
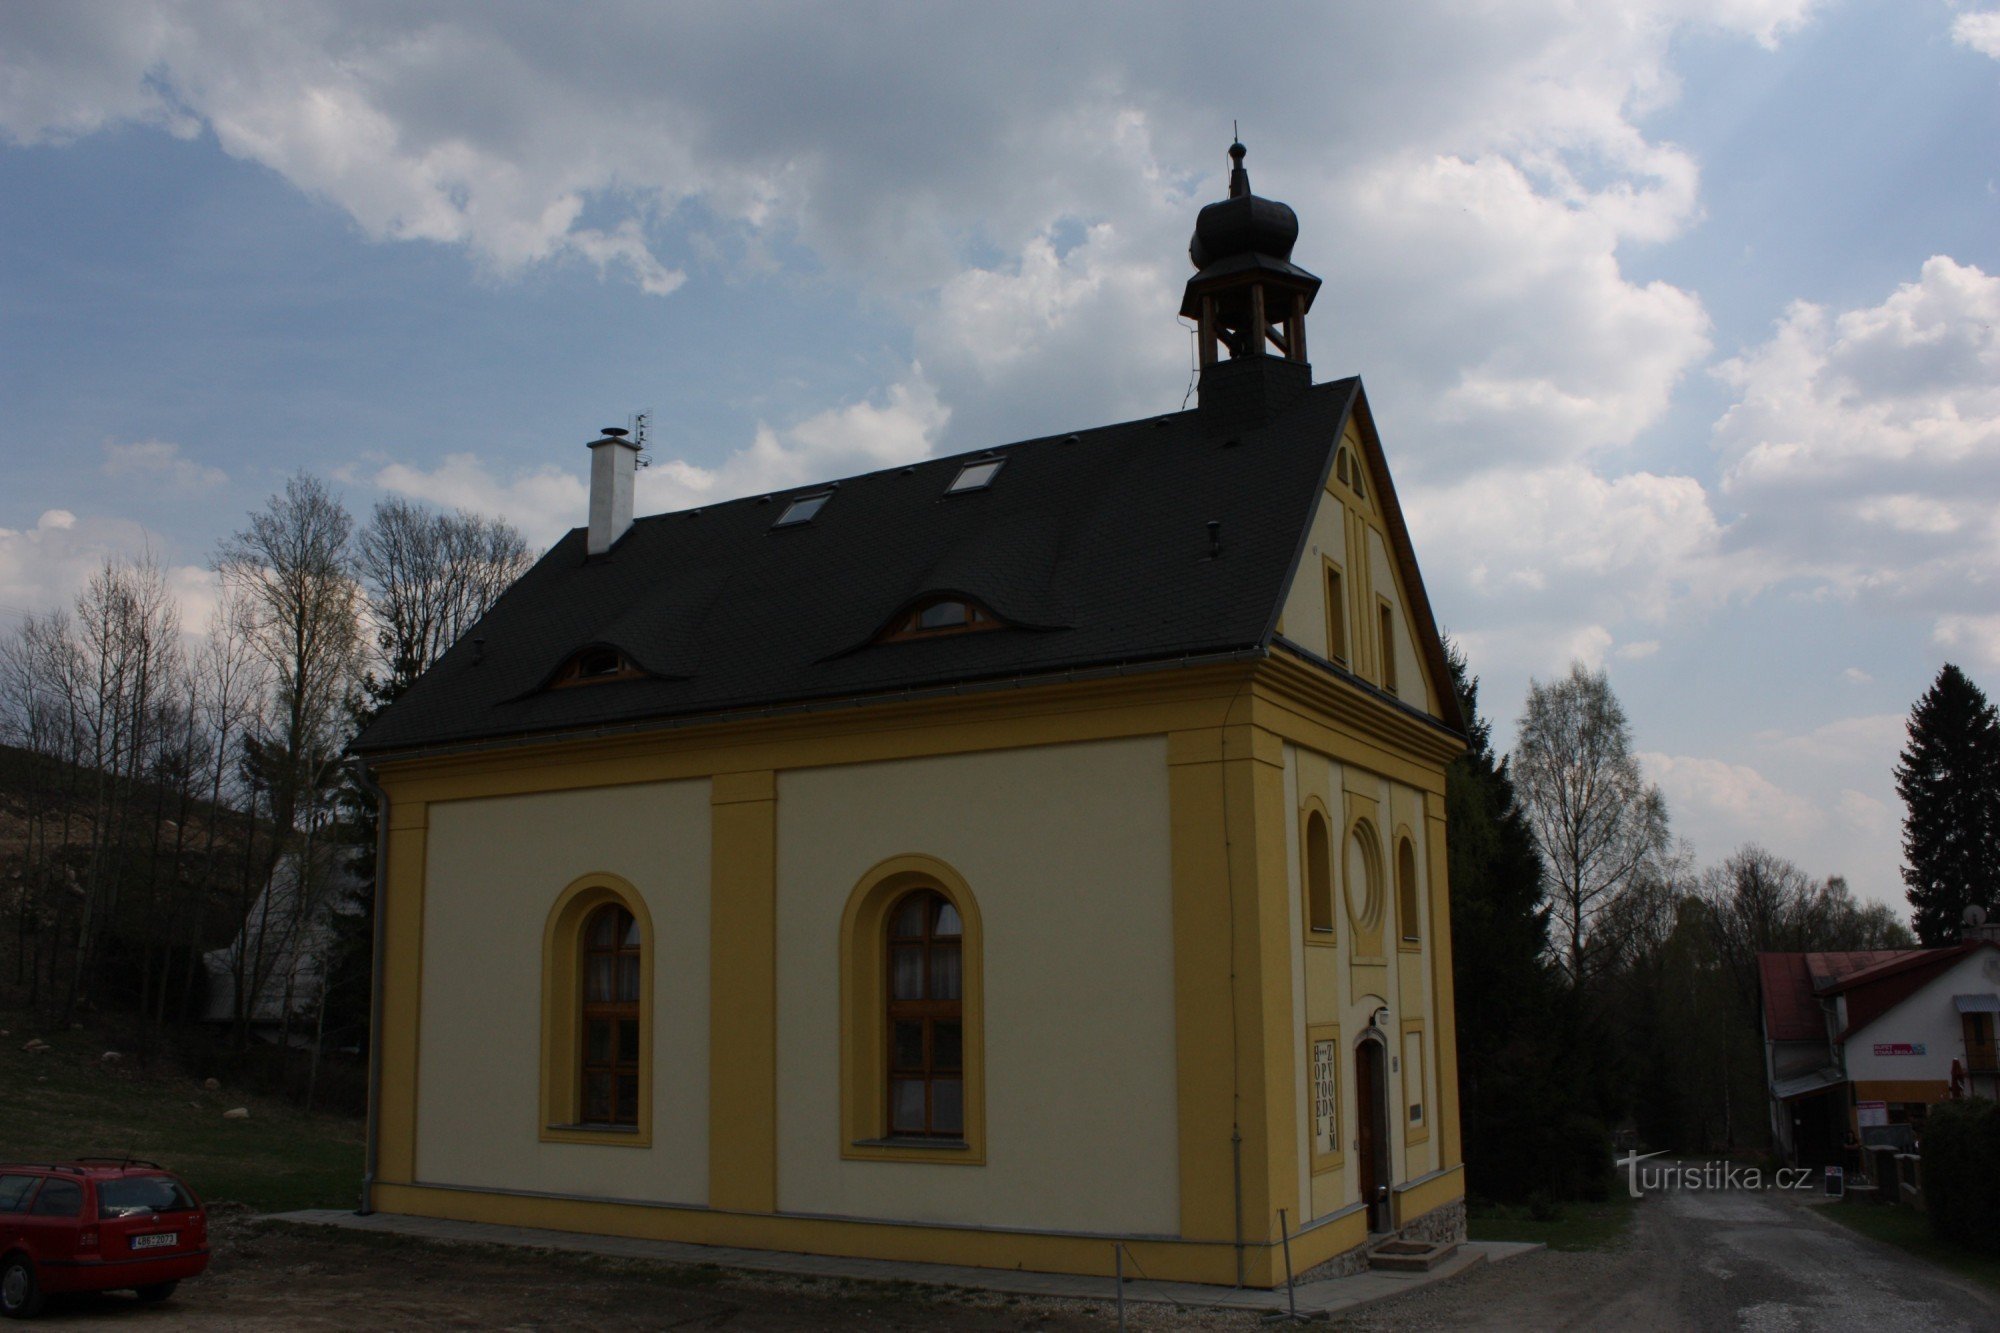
column 1247, row 297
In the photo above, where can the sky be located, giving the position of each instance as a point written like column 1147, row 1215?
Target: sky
column 1680, row 319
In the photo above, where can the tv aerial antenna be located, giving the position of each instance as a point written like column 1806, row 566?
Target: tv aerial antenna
column 640, row 421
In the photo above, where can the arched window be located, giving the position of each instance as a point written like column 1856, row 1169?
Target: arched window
column 597, row 1015
column 1406, row 892
column 1319, row 874
column 926, row 1055
column 609, row 1048
column 912, row 1005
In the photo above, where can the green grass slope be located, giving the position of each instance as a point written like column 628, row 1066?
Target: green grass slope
column 68, row 1102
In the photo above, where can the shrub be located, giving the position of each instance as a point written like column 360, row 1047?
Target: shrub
column 1961, row 1172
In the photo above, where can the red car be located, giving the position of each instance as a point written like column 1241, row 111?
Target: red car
column 96, row 1224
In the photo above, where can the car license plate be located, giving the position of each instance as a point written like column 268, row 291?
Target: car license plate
column 159, row 1240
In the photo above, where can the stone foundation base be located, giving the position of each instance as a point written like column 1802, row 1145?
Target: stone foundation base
column 1440, row 1226
column 1444, row 1225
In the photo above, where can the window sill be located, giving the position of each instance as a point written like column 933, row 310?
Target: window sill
column 614, row 1136
column 1409, row 946
column 1324, row 936
column 953, row 1152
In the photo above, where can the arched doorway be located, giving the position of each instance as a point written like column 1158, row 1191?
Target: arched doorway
column 1371, row 1104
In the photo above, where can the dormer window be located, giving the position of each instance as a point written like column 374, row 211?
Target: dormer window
column 802, row 508
column 945, row 615
column 975, row 476
column 594, row 666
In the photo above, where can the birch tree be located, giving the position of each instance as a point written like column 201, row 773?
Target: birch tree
column 1601, row 827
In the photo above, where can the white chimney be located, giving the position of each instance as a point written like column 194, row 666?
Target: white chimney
column 613, row 461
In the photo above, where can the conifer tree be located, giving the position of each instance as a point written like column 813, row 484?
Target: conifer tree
column 1949, row 778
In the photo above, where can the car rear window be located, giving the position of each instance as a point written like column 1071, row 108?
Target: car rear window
column 128, row 1195
column 59, row 1198
column 14, row 1192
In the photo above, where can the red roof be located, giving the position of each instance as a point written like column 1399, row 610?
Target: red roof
column 1793, row 982
column 1874, row 981
column 1790, row 1012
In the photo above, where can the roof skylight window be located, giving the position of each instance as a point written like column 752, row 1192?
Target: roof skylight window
column 975, row 476
column 803, row 508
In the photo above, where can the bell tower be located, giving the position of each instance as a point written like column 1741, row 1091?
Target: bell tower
column 1248, row 300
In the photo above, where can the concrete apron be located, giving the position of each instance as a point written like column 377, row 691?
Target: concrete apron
column 1319, row 1299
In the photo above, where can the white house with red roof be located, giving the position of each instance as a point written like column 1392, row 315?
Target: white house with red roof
column 1875, row 1037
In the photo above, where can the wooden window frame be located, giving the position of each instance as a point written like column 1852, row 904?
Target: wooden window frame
column 563, row 948
column 1333, row 589
column 906, row 626
column 928, row 1010
column 617, row 1010
column 1409, row 895
column 864, row 1015
column 571, row 674
column 1311, row 892
column 1385, row 628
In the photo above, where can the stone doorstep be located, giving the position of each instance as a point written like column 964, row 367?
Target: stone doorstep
column 1318, row 1300
column 1410, row 1256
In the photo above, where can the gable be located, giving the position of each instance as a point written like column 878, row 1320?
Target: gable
column 1356, row 541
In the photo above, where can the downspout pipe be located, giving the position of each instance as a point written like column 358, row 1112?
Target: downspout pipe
column 374, row 1133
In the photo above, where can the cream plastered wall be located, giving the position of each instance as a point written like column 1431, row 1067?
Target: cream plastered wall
column 1411, row 687
column 1322, row 990
column 1066, row 849
column 493, row 870
column 1304, row 617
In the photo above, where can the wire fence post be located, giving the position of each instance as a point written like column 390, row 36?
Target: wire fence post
column 1291, row 1315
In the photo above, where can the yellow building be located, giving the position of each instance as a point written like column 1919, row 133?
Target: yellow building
column 980, row 861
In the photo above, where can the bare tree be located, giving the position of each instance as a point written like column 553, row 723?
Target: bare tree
column 429, row 576
column 293, row 566
column 1601, row 826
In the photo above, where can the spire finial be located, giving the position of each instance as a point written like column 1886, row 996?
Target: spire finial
column 1239, row 179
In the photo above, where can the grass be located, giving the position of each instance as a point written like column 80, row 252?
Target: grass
column 1910, row 1231
column 67, row 1102
column 1575, row 1226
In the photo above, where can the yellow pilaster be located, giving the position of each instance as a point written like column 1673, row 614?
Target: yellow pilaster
column 743, row 993
column 1444, row 1017
column 402, row 989
column 1233, row 988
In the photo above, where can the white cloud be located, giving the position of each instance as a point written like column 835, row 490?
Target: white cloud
column 1565, row 538
column 1722, row 805
column 1638, row 650
column 1864, row 450
column 546, row 502
column 1822, row 799
column 43, row 568
column 157, row 462
column 1856, row 676
column 1979, row 30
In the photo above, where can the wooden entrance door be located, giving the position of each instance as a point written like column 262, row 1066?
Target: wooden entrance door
column 1371, row 1089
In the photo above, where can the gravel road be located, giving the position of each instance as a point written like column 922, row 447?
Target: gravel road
column 1756, row 1261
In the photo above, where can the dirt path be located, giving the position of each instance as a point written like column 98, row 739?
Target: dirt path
column 1753, row 1261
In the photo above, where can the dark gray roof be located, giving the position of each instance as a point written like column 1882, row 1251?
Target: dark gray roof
column 1093, row 547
